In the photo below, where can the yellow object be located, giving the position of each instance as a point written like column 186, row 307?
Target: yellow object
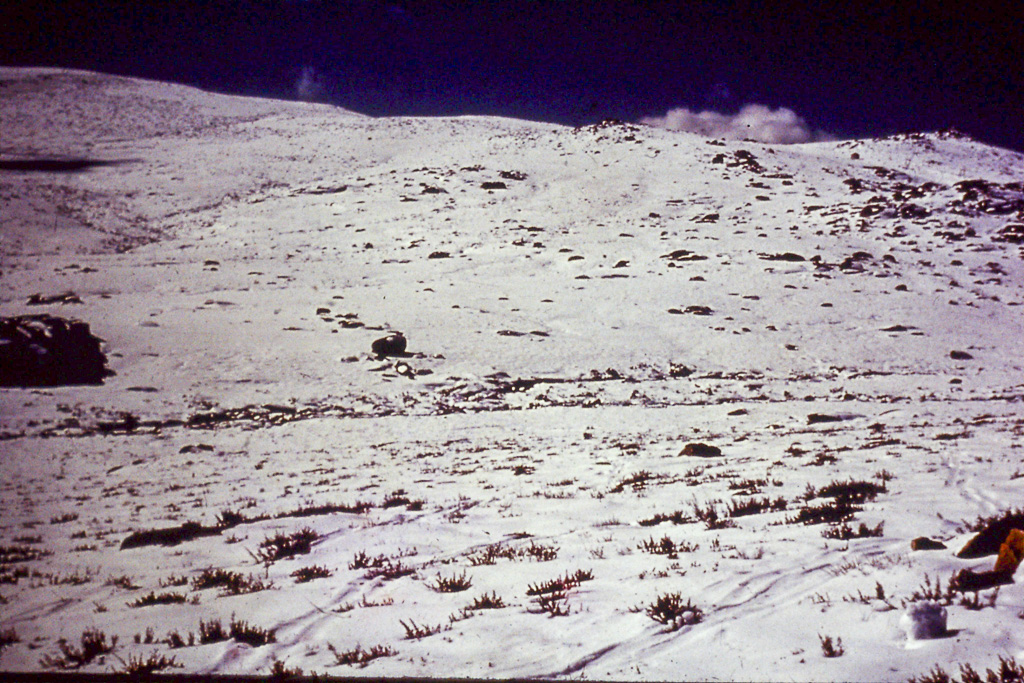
column 1011, row 552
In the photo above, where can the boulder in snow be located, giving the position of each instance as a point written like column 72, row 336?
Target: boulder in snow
column 702, row 450
column 47, row 351
column 391, row 345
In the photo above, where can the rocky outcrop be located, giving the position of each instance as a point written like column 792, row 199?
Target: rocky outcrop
column 47, row 351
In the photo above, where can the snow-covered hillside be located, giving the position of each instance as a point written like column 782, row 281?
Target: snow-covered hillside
column 580, row 305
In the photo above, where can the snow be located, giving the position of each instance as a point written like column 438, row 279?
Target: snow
column 203, row 254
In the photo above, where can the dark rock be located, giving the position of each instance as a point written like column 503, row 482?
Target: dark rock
column 47, row 351
column 853, row 262
column 391, row 345
column 970, row 581
column 684, row 255
column 925, row 543
column 701, row 450
column 992, row 534
column 698, row 310
column 125, row 424
column 856, row 186
column 677, row 371
column 512, row 175
column 493, row 185
column 872, row 210
column 817, row 418
column 1012, row 233
column 913, row 211
column 788, row 256
column 439, row 254
column 960, row 355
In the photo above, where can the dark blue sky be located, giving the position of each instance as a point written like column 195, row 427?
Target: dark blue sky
column 852, row 72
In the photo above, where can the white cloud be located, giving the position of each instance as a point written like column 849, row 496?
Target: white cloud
column 308, row 86
column 753, row 121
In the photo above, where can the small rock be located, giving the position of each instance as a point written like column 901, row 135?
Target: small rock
column 925, row 543
column 701, row 450
column 787, row 256
column 817, row 418
column 960, row 355
column 391, row 345
column 698, row 310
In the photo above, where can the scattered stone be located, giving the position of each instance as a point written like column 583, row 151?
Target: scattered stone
column 960, row 355
column 126, row 423
column 512, row 175
column 698, row 310
column 925, row 543
column 391, row 345
column 439, row 254
column 47, row 351
column 913, row 211
column 787, row 256
column 493, row 185
column 701, row 450
column 196, row 448
column 678, row 371
column 854, row 262
column 67, row 297
column 816, row 418
column 684, row 255
column 1012, row 233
